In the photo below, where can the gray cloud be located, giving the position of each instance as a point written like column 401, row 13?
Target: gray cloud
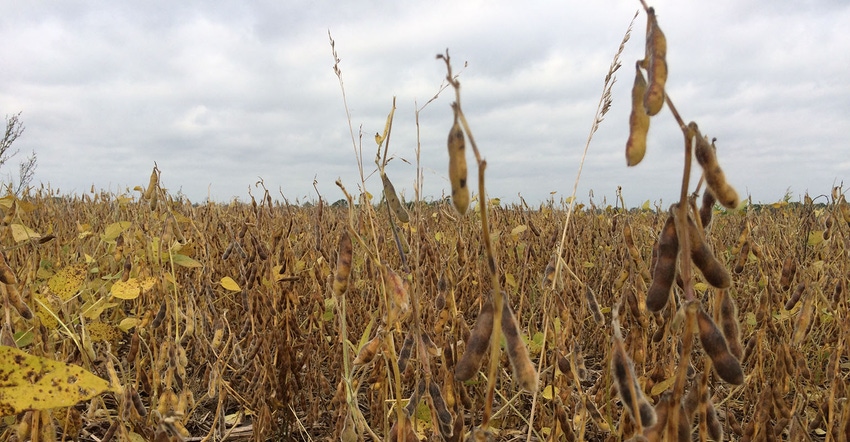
column 219, row 96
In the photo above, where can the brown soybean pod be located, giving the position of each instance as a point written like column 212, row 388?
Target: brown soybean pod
column 789, row 269
column 406, row 351
column 728, row 313
column 795, row 297
column 656, row 54
column 443, row 415
column 638, row 121
column 713, row 271
column 741, row 259
column 476, row 345
column 665, row 267
column 392, row 199
column 714, row 343
column 523, row 369
column 594, row 306
column 705, row 211
column 151, row 184
column 343, row 264
column 457, row 166
column 714, row 176
column 631, row 395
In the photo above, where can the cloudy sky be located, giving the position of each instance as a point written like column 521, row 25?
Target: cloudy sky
column 222, row 94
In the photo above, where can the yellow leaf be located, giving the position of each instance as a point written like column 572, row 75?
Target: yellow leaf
column 549, row 392
column 701, row 287
column 93, row 310
column 7, row 201
column 38, row 383
column 510, row 280
column 518, row 229
column 229, row 284
column 127, row 324
column 185, row 261
column 113, row 230
column 22, row 233
column 68, row 281
column 126, row 290
column 815, row 237
column 379, row 139
column 662, row 386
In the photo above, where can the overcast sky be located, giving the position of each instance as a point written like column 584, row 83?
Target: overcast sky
column 222, row 94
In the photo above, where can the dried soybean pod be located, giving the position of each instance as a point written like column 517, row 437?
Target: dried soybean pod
column 523, row 369
column 151, row 184
column 594, row 306
column 549, row 273
column 476, row 345
column 160, row 316
column 707, row 208
column 399, row 297
column 7, row 276
column 369, row 350
column 581, row 368
column 725, row 365
column 715, row 428
column 795, row 297
column 728, row 313
column 789, row 269
column 343, row 264
column 392, row 199
column 742, row 258
column 638, row 121
column 662, row 410
column 622, row 369
column 714, row 176
column 457, row 165
column 713, row 271
column 804, row 320
column 14, row 297
column 443, row 415
column 665, row 267
column 656, row 54
column 406, row 350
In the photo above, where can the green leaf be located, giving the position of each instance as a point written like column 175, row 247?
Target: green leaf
column 30, row 382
